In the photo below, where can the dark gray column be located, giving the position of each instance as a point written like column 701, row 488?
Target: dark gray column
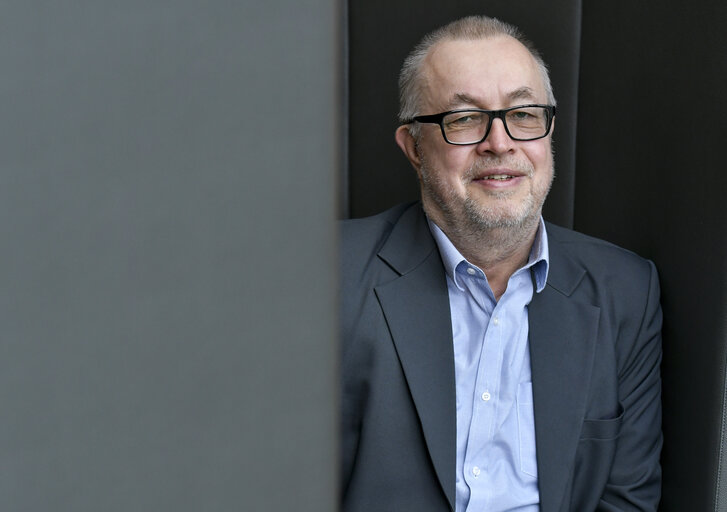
column 167, row 288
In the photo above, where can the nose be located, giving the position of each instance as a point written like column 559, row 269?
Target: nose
column 497, row 141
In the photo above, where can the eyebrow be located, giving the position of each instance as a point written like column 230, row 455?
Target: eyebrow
column 459, row 99
column 522, row 93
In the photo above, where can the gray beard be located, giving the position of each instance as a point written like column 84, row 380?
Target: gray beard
column 469, row 224
column 498, row 234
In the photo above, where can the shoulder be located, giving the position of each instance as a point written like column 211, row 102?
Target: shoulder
column 362, row 239
column 622, row 285
column 362, row 269
column 601, row 273
column 592, row 253
column 368, row 230
column 379, row 249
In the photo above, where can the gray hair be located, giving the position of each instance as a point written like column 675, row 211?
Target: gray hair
column 469, row 28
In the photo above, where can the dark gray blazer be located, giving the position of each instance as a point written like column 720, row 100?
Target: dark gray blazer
column 595, row 349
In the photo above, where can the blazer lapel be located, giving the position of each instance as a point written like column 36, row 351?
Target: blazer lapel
column 563, row 333
column 416, row 307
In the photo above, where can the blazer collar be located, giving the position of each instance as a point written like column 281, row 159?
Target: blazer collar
column 410, row 241
column 564, row 274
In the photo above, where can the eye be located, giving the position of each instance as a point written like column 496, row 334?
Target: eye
column 527, row 117
column 521, row 115
column 459, row 120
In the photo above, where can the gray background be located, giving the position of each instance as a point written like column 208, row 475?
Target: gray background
column 167, row 294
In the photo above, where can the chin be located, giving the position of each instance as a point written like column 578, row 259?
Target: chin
column 501, row 216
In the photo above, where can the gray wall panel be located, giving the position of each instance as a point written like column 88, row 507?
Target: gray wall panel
column 167, row 190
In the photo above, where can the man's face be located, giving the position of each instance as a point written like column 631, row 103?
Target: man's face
column 498, row 182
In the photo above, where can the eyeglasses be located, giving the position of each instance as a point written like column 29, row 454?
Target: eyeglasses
column 471, row 126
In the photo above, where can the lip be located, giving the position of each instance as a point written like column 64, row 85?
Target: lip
column 498, row 178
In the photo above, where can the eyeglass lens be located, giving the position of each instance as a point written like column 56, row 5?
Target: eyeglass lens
column 470, row 126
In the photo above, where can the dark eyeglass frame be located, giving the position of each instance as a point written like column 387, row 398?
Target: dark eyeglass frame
column 491, row 116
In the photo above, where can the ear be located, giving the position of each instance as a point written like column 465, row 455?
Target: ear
column 408, row 145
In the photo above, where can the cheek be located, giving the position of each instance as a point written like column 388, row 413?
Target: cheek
column 544, row 173
column 449, row 166
column 541, row 157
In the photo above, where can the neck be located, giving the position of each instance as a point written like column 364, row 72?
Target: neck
column 498, row 251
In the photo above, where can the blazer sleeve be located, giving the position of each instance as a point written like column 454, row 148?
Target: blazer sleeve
column 635, row 479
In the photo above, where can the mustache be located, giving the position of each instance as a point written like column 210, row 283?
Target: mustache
column 488, row 163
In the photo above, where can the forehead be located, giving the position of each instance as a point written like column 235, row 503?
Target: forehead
column 494, row 73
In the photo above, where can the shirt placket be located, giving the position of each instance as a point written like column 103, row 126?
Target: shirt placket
column 485, row 400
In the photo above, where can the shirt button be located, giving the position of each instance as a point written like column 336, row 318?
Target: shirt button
column 486, row 396
column 471, row 271
column 496, row 321
column 476, row 471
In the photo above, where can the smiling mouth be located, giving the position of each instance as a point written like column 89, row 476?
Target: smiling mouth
column 499, row 177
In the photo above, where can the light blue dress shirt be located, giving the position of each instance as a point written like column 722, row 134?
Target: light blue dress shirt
column 496, row 465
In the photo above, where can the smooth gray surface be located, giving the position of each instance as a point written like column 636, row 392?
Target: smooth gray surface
column 167, row 196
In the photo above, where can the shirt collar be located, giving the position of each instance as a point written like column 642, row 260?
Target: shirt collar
column 539, row 258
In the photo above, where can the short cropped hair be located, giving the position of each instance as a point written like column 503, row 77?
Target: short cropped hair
column 469, row 28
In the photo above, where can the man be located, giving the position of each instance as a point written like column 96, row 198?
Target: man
column 491, row 361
